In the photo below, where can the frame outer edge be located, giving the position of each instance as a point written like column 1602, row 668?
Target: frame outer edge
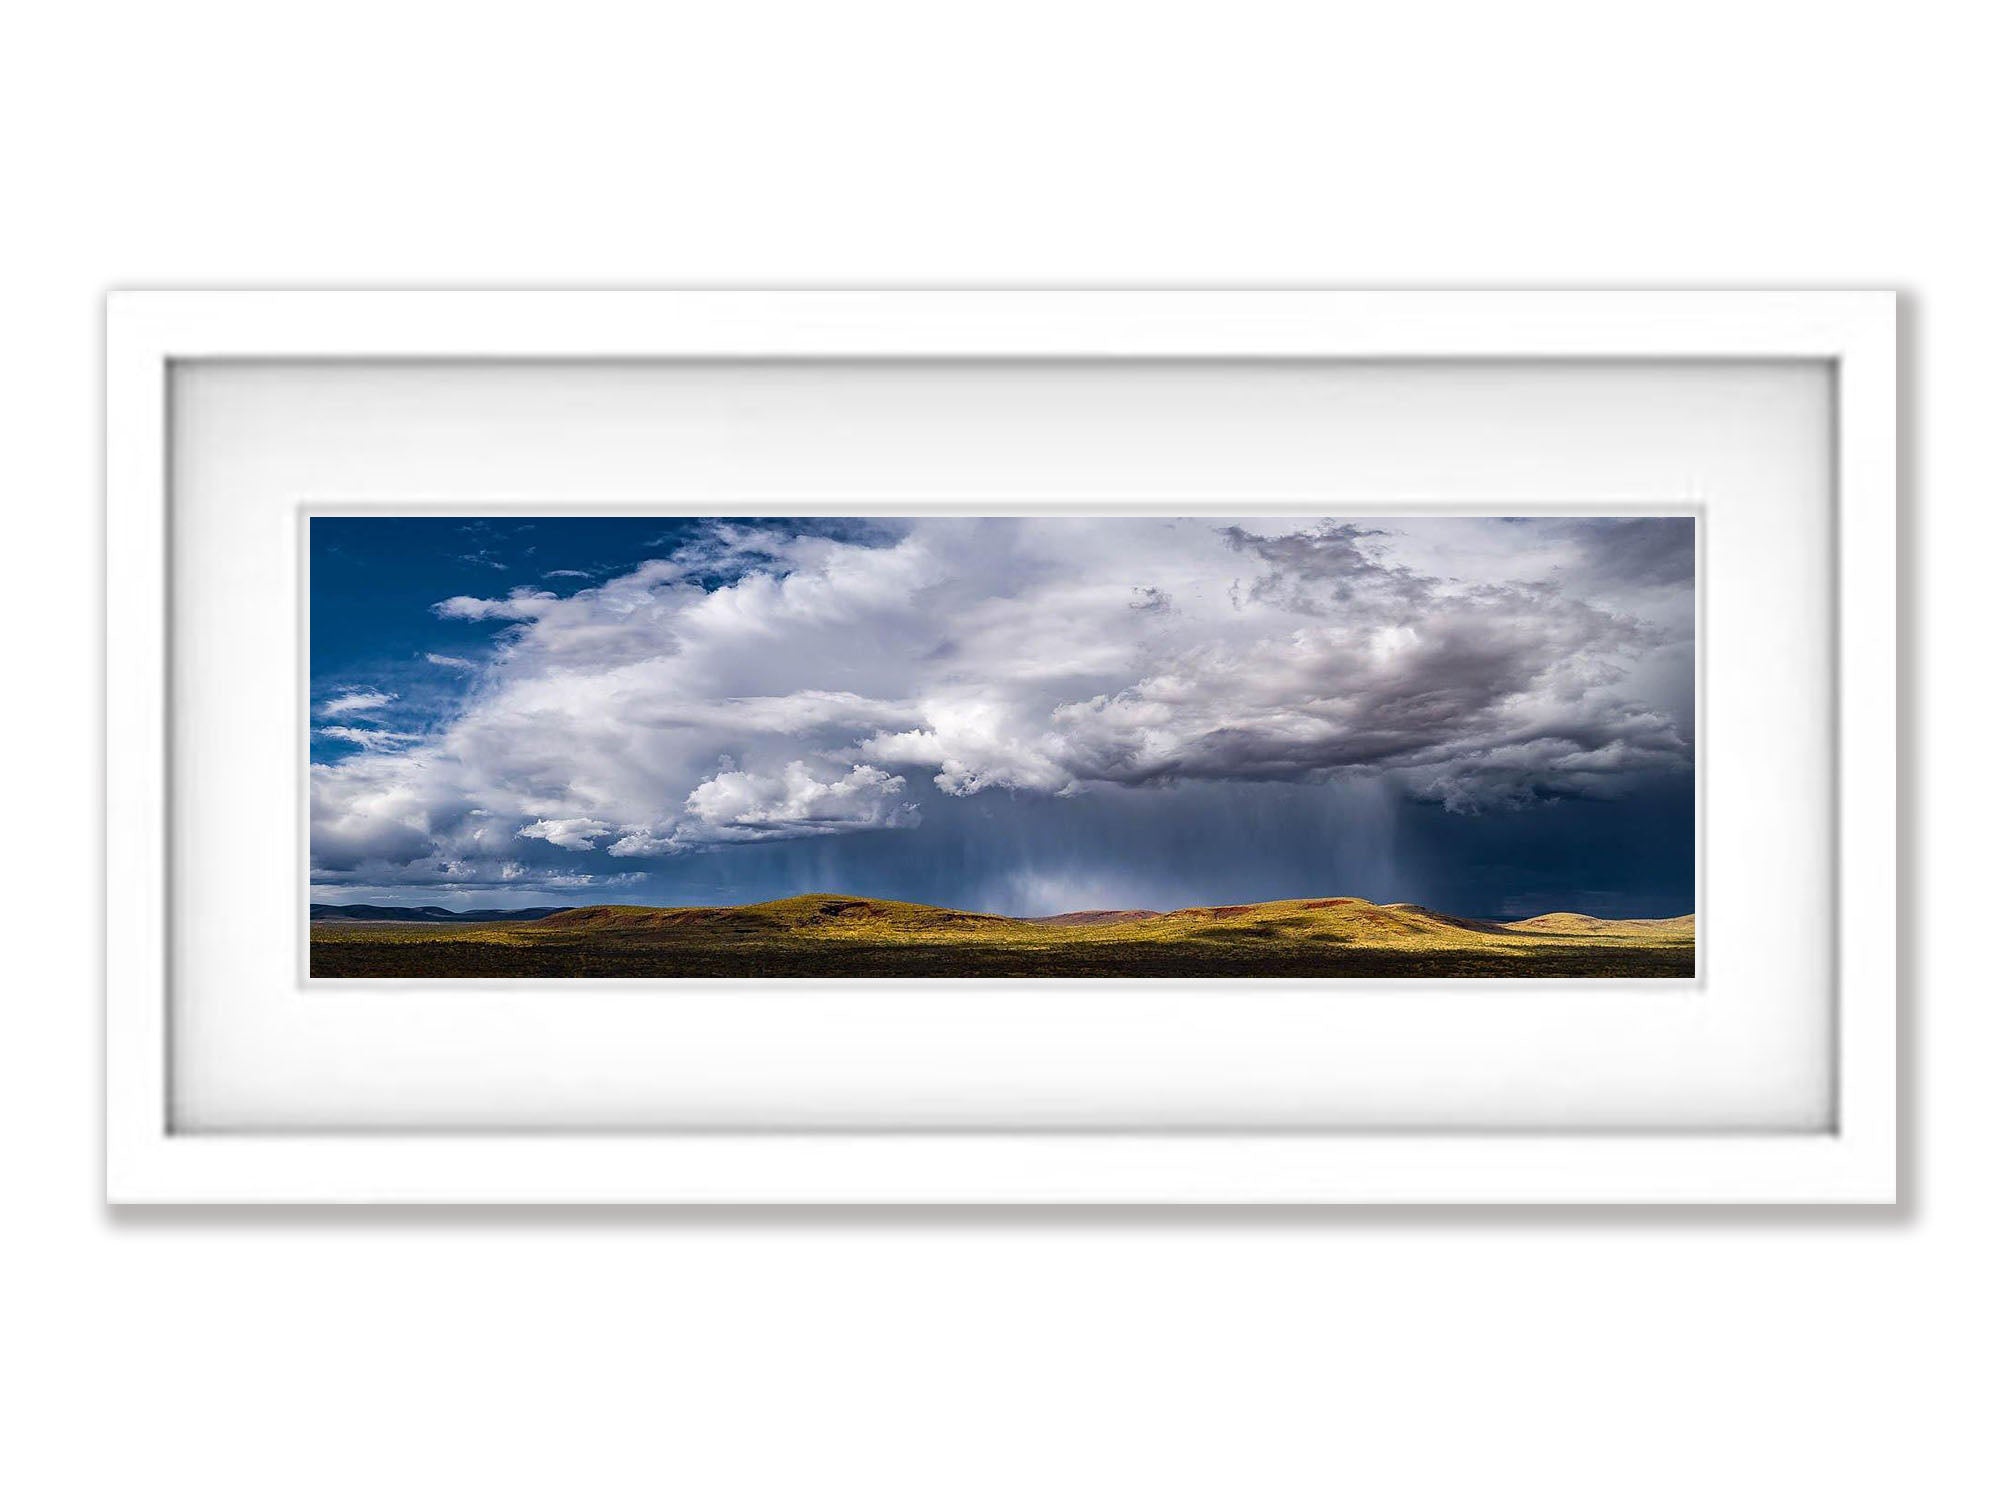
column 1856, row 330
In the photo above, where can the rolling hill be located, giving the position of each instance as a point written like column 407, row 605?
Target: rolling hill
column 837, row 935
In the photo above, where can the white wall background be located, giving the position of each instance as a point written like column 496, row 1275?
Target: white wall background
column 1450, row 1353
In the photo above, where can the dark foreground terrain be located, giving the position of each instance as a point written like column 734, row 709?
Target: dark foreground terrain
column 844, row 936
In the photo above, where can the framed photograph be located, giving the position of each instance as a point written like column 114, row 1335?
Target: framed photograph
column 1002, row 747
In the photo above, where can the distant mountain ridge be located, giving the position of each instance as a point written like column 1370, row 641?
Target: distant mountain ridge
column 327, row 912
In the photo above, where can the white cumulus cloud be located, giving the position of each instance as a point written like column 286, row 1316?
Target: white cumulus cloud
column 362, row 702
column 567, row 833
column 367, row 739
column 521, row 604
column 745, row 806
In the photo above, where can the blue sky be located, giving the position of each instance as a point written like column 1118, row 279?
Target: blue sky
column 375, row 579
column 1493, row 716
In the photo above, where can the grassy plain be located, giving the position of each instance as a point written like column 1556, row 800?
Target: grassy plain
column 845, row 936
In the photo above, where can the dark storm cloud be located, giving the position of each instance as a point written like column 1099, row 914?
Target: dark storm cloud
column 1486, row 693
column 1644, row 551
column 1323, row 568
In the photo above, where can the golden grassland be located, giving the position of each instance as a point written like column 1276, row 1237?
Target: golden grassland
column 823, row 935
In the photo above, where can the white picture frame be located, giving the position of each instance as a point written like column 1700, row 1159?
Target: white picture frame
column 1852, row 1161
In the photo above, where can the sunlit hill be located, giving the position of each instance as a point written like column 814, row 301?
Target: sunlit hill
column 828, row 935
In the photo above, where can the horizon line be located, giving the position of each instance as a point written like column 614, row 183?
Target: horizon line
column 973, row 911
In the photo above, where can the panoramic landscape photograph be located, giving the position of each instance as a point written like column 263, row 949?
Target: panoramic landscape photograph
column 1445, row 747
